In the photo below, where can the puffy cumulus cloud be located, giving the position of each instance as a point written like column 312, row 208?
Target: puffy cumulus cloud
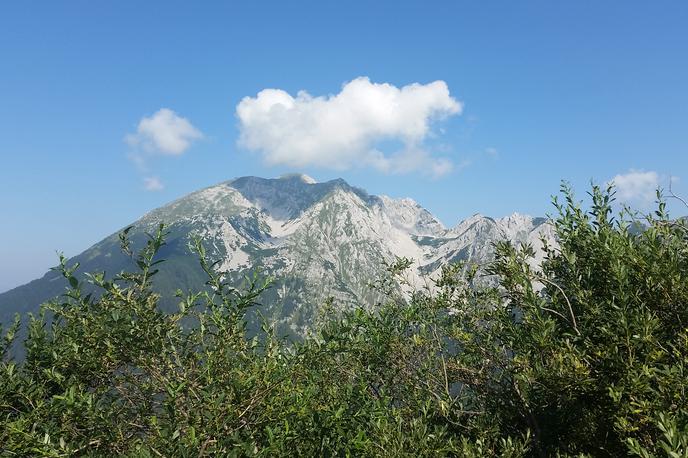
column 347, row 129
column 152, row 184
column 636, row 186
column 165, row 132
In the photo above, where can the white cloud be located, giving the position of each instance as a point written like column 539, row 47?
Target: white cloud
column 636, row 187
column 165, row 132
column 153, row 184
column 345, row 130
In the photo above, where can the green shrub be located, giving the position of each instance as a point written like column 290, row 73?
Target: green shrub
column 584, row 355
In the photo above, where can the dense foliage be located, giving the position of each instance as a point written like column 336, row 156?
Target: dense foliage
column 584, row 355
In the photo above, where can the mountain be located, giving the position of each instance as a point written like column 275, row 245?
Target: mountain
column 318, row 240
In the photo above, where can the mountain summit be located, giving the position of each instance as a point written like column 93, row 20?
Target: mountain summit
column 318, row 240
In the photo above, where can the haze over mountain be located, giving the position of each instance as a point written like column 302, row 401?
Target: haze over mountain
column 318, row 240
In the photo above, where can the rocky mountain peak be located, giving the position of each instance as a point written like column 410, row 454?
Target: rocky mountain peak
column 317, row 239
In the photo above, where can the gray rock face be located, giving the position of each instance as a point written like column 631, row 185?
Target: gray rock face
column 318, row 240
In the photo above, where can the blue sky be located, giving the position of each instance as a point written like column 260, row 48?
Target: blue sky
column 547, row 90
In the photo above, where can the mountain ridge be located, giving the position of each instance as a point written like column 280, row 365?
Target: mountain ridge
column 319, row 240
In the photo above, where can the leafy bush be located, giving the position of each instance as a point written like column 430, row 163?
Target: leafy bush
column 589, row 353
column 584, row 355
